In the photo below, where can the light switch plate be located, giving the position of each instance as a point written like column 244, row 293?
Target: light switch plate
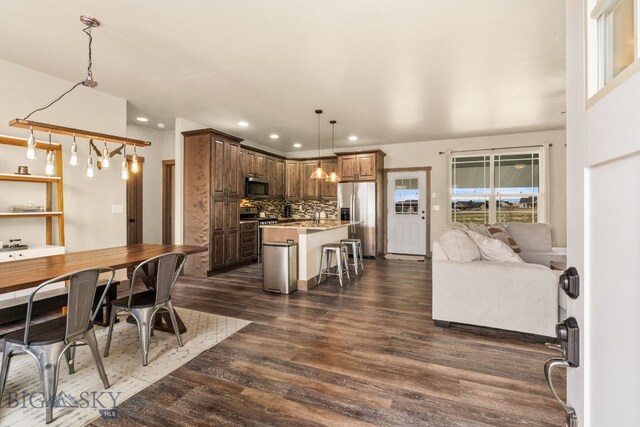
column 436, row 207
column 117, row 209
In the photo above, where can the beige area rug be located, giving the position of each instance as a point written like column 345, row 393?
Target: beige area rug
column 405, row 257
column 81, row 397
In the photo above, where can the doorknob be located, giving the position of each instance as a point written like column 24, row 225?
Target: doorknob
column 422, row 217
column 132, row 220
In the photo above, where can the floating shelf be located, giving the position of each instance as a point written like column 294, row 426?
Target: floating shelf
column 28, row 178
column 28, row 214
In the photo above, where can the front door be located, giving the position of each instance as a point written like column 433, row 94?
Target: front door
column 407, row 212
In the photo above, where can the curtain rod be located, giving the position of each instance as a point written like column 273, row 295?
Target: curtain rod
column 494, row 149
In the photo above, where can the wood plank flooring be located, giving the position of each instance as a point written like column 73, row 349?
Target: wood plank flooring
column 366, row 354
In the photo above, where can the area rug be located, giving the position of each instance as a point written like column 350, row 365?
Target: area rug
column 81, row 397
column 405, row 257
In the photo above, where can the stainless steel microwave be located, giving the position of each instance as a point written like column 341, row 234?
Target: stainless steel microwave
column 256, row 188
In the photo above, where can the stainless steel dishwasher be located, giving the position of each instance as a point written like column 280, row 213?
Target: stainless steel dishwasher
column 280, row 267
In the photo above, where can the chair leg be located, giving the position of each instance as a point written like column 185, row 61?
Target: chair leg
column 4, row 370
column 49, row 369
column 174, row 322
column 143, row 318
column 361, row 257
column 346, row 264
column 112, row 320
column 319, row 279
column 339, row 266
column 354, row 249
column 92, row 343
column 70, row 356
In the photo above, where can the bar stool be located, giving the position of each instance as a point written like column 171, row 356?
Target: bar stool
column 328, row 249
column 356, row 250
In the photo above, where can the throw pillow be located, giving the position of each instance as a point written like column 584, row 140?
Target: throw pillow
column 479, row 228
column 500, row 233
column 458, row 246
column 493, row 249
column 458, row 225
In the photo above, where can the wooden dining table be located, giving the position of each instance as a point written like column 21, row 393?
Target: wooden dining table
column 24, row 274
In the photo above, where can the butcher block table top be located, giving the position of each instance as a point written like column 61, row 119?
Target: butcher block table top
column 17, row 275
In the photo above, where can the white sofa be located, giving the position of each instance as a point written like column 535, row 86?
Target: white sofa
column 516, row 296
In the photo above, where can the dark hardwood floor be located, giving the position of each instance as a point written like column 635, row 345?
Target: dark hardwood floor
column 368, row 353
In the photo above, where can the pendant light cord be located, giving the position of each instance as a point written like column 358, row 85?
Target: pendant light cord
column 87, row 31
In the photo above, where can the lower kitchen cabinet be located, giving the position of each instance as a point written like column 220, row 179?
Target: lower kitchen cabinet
column 248, row 241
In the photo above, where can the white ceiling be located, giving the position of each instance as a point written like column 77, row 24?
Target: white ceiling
column 388, row 71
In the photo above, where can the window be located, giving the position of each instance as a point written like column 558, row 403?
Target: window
column 492, row 188
column 406, row 196
column 616, row 37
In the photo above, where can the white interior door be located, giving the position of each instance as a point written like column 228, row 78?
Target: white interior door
column 407, row 212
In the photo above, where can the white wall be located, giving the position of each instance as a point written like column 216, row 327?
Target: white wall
column 162, row 148
column 89, row 222
column 426, row 153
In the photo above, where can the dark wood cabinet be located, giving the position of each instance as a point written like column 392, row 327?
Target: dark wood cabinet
column 248, row 241
column 292, row 179
column 213, row 186
column 360, row 166
column 270, row 172
column 329, row 190
column 260, row 166
column 279, row 179
column 309, row 187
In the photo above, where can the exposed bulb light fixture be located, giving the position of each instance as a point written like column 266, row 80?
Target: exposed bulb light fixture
column 90, row 170
column 333, row 176
column 31, row 147
column 105, row 157
column 49, row 169
column 124, row 170
column 135, row 167
column 73, row 160
column 318, row 173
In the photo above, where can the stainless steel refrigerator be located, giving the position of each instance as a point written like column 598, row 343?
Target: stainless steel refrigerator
column 360, row 198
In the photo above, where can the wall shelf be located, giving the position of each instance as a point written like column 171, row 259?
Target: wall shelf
column 28, row 214
column 28, row 178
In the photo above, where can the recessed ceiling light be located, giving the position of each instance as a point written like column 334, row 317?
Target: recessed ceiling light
column 297, row 145
column 243, row 124
column 161, row 125
column 142, row 119
column 274, row 136
column 353, row 138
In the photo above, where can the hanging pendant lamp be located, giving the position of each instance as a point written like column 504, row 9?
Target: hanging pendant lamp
column 318, row 173
column 333, row 176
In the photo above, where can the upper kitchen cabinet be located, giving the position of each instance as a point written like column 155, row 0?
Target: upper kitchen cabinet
column 225, row 164
column 279, row 179
column 329, row 190
column 309, row 187
column 292, row 179
column 361, row 166
column 270, row 172
column 260, row 166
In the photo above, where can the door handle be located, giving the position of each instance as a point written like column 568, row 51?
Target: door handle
column 132, row 220
column 422, row 217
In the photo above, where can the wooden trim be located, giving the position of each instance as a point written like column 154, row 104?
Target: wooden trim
column 427, row 170
column 210, row 130
column 22, row 142
column 62, row 130
column 346, row 153
column 257, row 150
column 166, row 197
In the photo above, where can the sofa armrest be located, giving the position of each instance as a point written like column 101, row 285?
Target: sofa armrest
column 505, row 295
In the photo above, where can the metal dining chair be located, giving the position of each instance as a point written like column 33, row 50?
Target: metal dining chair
column 143, row 306
column 48, row 341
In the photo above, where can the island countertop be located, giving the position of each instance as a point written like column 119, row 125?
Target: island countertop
column 310, row 226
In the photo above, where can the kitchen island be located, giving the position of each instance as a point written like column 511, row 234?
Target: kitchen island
column 310, row 236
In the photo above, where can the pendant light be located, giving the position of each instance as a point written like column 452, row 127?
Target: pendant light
column 124, row 171
column 135, row 167
column 31, row 147
column 318, row 173
column 333, row 176
column 73, row 160
column 49, row 169
column 90, row 171
column 105, row 157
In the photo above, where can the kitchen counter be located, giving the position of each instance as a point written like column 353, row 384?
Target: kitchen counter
column 310, row 226
column 310, row 236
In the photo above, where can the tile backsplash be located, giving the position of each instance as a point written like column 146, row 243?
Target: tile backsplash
column 301, row 209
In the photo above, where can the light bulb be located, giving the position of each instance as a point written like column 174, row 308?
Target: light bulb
column 105, row 157
column 125, row 170
column 31, row 147
column 135, row 167
column 73, row 160
column 90, row 171
column 50, row 169
column 333, row 177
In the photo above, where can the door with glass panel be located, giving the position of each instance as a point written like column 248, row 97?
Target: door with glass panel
column 407, row 213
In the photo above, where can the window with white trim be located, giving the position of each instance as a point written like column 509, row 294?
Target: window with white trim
column 497, row 187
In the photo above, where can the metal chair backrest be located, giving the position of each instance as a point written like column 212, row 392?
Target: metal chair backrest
column 164, row 271
column 81, row 293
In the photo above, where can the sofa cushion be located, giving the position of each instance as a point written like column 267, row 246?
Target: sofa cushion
column 457, row 246
column 531, row 237
column 500, row 233
column 458, row 225
column 479, row 228
column 493, row 249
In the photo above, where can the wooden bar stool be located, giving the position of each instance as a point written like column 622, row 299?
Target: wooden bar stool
column 356, row 250
column 328, row 250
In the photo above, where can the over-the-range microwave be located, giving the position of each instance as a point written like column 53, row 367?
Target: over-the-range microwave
column 256, row 188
